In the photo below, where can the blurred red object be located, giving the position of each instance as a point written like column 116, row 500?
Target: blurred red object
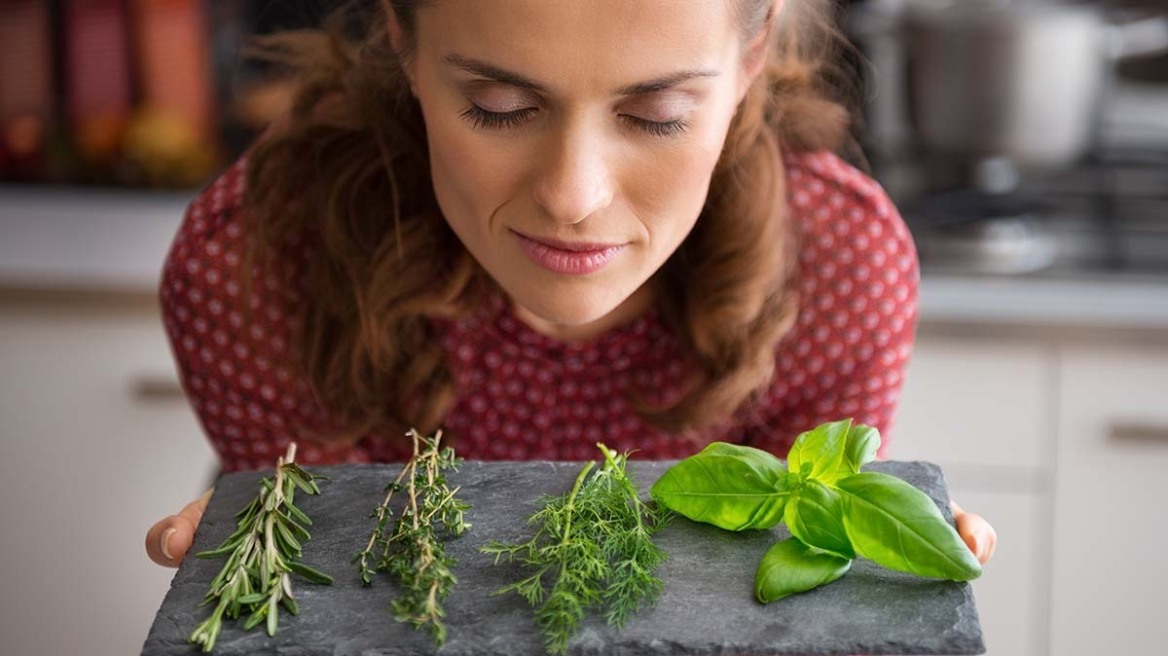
column 172, row 139
column 26, row 95
column 174, row 61
column 97, row 77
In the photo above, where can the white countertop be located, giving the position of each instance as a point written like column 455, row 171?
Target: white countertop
column 115, row 241
column 86, row 239
column 1112, row 301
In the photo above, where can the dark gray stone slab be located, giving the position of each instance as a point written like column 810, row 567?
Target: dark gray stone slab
column 708, row 605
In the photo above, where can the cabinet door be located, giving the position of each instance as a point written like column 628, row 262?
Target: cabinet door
column 1011, row 592
column 89, row 463
column 983, row 410
column 972, row 405
column 1110, row 535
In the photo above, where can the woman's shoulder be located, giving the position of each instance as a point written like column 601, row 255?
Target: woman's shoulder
column 217, row 205
column 205, row 254
column 857, row 283
column 848, row 227
column 823, row 189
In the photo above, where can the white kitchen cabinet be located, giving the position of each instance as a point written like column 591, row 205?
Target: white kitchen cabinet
column 1011, row 592
column 89, row 463
column 982, row 409
column 977, row 403
column 1110, row 578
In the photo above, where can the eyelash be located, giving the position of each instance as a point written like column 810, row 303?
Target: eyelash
column 486, row 120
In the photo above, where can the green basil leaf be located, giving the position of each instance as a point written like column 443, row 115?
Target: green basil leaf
column 730, row 486
column 896, row 525
column 790, row 567
column 823, row 448
column 815, row 515
column 862, row 444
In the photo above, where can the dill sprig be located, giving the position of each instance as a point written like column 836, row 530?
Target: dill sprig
column 262, row 555
column 411, row 550
column 592, row 549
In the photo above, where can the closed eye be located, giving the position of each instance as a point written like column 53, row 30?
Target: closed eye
column 487, row 120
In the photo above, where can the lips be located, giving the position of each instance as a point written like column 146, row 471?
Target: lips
column 570, row 258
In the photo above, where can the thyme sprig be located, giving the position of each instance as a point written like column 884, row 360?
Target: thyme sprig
column 262, row 555
column 412, row 549
column 592, row 549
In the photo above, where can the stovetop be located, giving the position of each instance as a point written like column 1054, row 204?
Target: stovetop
column 1107, row 216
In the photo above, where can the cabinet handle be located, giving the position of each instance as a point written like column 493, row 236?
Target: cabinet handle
column 1139, row 432
column 155, row 388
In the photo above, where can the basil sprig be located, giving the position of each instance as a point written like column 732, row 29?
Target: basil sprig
column 833, row 510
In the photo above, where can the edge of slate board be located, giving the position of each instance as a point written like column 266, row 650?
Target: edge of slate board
column 707, row 607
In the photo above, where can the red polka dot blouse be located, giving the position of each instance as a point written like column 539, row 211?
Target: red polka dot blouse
column 522, row 395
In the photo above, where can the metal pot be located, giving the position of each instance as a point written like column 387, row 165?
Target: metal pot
column 1022, row 81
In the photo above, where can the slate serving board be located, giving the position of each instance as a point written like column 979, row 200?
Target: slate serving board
column 707, row 607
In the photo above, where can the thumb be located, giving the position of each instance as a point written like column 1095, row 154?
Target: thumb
column 168, row 541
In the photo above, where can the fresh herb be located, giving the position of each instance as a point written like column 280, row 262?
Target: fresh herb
column 834, row 511
column 262, row 555
column 593, row 549
column 411, row 551
column 790, row 566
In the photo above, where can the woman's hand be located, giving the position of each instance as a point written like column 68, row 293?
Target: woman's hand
column 979, row 536
column 168, row 540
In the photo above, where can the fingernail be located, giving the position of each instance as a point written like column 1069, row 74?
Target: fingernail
column 166, row 542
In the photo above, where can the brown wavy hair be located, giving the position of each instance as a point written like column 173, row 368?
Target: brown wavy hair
column 349, row 174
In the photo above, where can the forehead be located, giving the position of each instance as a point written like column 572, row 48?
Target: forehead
column 585, row 46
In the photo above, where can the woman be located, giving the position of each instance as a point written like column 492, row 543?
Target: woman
column 540, row 225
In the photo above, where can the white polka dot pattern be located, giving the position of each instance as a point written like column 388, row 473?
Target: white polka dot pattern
column 522, row 395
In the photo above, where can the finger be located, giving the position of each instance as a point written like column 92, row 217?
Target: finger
column 168, row 541
column 193, row 511
column 978, row 535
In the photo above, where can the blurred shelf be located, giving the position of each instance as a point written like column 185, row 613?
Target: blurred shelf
column 1073, row 303
column 86, row 239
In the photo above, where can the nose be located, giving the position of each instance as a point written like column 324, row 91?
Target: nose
column 574, row 180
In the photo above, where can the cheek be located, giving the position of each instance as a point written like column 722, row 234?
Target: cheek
column 470, row 181
column 670, row 199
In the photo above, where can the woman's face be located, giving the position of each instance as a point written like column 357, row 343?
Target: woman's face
column 572, row 143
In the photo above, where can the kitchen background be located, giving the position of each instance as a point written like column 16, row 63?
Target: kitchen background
column 1026, row 144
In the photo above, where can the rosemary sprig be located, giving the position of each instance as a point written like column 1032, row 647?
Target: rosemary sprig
column 592, row 549
column 411, row 550
column 261, row 555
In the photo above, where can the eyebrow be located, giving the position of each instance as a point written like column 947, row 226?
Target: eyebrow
column 490, row 71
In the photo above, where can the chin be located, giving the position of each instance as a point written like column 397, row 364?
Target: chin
column 571, row 313
column 565, row 309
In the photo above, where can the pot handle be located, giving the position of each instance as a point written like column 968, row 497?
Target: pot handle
column 1147, row 36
